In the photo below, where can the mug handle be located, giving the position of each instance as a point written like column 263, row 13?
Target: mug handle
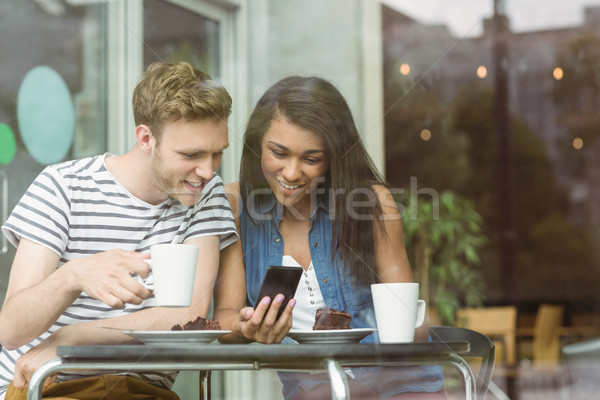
column 420, row 313
column 139, row 278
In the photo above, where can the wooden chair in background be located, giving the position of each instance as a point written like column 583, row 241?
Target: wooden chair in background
column 540, row 366
column 544, row 336
column 497, row 323
column 500, row 325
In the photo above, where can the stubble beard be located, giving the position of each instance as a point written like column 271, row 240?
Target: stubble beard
column 168, row 184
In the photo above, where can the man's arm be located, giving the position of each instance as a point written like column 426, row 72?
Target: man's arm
column 156, row 318
column 39, row 292
column 162, row 318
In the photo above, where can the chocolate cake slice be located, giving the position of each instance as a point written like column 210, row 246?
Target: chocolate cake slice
column 328, row 318
column 199, row 324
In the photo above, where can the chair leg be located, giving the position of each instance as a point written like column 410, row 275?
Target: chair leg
column 204, row 383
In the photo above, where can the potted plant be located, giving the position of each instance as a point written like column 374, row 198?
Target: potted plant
column 443, row 237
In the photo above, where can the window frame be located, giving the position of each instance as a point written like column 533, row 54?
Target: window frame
column 125, row 27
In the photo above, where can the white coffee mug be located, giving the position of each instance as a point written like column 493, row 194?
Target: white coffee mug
column 173, row 270
column 398, row 311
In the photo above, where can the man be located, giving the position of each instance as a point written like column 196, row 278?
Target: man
column 83, row 230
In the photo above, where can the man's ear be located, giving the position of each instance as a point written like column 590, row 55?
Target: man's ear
column 144, row 137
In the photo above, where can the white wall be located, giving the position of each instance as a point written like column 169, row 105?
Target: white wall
column 339, row 40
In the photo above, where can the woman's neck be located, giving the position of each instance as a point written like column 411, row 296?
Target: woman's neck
column 301, row 210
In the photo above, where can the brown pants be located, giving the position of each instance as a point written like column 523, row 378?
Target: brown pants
column 105, row 387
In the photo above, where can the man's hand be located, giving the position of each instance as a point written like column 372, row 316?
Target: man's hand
column 38, row 292
column 29, row 362
column 259, row 324
column 107, row 276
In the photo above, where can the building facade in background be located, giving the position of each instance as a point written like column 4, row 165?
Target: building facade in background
column 441, row 129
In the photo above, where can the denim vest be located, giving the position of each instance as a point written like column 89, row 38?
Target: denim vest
column 263, row 246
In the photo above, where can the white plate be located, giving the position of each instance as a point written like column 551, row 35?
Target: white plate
column 171, row 338
column 330, row 335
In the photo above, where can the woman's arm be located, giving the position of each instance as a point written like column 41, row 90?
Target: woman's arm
column 246, row 323
column 390, row 251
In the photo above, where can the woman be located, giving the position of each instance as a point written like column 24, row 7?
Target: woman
column 309, row 195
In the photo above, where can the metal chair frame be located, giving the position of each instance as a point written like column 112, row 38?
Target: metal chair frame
column 480, row 347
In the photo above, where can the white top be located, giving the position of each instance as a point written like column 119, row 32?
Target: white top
column 308, row 296
column 308, row 299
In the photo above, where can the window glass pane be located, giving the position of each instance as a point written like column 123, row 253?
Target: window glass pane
column 500, row 106
column 52, row 92
column 175, row 33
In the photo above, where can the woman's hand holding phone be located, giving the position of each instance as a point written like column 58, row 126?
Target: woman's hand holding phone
column 261, row 324
column 271, row 318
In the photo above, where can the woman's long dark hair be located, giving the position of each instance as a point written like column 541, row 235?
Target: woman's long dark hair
column 316, row 105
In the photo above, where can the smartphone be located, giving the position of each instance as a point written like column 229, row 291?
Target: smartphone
column 280, row 280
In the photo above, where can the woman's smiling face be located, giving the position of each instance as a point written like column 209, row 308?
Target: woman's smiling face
column 294, row 161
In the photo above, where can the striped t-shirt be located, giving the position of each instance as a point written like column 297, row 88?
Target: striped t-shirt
column 77, row 209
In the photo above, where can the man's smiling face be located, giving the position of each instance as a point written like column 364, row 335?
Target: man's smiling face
column 186, row 157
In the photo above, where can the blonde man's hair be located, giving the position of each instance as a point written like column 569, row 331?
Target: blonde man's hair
column 168, row 92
